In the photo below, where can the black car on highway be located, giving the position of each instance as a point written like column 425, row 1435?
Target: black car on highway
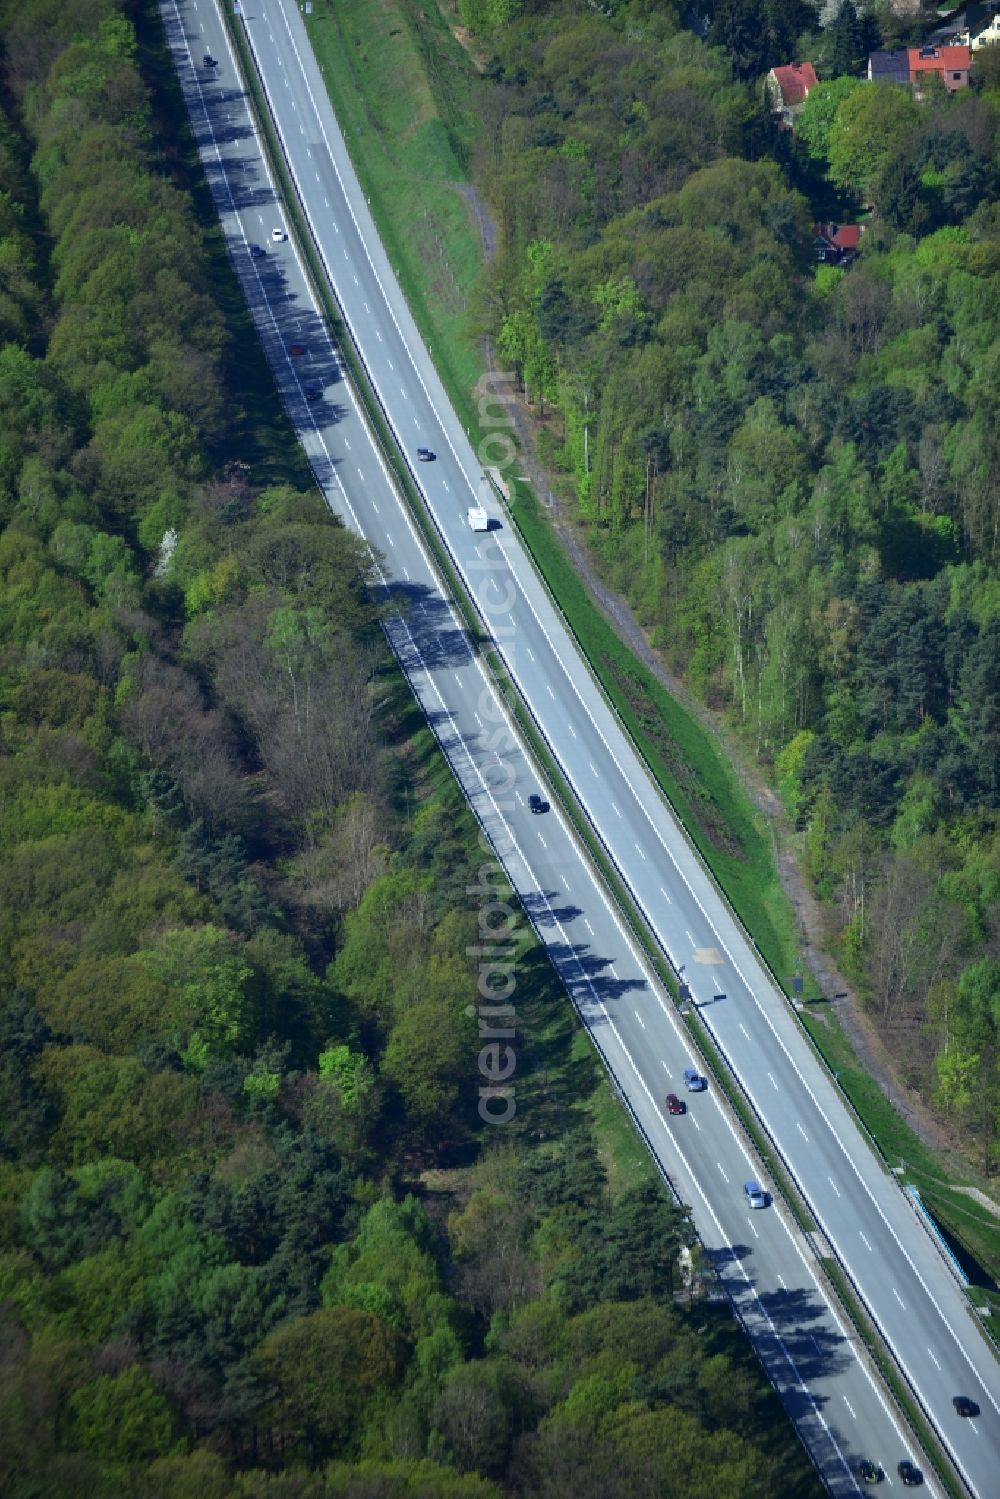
column 537, row 804
column 910, row 1475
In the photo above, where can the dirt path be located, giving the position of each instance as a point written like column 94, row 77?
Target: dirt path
column 809, row 914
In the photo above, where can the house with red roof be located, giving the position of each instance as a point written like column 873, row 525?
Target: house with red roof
column 837, row 244
column 950, row 64
column 787, row 89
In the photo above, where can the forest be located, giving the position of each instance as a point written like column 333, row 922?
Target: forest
column 789, row 468
column 255, row 1239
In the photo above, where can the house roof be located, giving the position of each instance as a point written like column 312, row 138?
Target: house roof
column 938, row 59
column 795, row 80
column 841, row 236
column 892, row 67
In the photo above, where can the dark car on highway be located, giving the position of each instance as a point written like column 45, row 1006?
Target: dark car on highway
column 869, row 1472
column 909, row 1474
column 257, row 251
column 964, row 1406
column 209, row 61
column 313, row 392
column 675, row 1105
column 425, row 455
column 537, row 804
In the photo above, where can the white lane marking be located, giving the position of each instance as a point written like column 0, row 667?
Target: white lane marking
column 531, row 654
column 666, row 897
column 689, row 936
column 542, row 841
column 850, row 1407
column 378, row 335
column 774, row 1085
column 695, row 1123
column 742, row 1026
column 639, row 851
column 802, row 1131
column 934, row 1360
column 571, row 729
column 475, row 715
column 587, row 924
column 781, row 1282
column 899, row 1298
column 593, row 769
column 833, row 1184
column 755, row 1233
column 392, row 366
column 550, row 692
column 615, row 810
column 640, row 1019
column 347, row 444
column 446, row 485
column 665, row 1068
column 719, row 1164
column 406, row 575
column 865, row 1242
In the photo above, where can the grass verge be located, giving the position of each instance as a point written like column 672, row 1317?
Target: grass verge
column 405, row 97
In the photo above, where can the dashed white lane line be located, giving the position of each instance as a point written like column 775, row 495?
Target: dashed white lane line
column 833, row 1184
column 774, row 1085
column 724, row 1176
column 665, row 1068
column 781, row 1282
column 639, row 851
column 899, row 1298
column 571, row 729
column 696, row 1124
column 742, row 1026
column 640, row 1019
column 548, row 689
column 615, row 810
column 531, row 654
column 850, row 1407
column 752, row 1229
column 593, row 768
column 802, row 1131
column 865, row 1242
column 587, row 924
column 934, row 1360
column 666, row 897
column 475, row 715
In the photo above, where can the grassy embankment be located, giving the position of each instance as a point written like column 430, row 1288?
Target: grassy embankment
column 404, row 90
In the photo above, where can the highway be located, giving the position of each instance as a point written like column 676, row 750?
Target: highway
column 765, row 1262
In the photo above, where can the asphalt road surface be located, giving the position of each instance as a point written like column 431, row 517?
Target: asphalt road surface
column 765, row 1262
